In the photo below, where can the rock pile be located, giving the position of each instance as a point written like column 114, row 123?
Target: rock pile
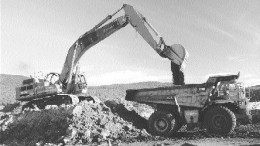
column 110, row 122
column 74, row 124
column 97, row 123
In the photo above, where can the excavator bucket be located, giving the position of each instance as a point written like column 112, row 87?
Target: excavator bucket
column 177, row 54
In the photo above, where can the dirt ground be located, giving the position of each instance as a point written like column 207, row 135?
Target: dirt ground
column 110, row 122
column 201, row 142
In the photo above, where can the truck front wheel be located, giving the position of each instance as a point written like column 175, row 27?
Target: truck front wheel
column 162, row 123
column 220, row 120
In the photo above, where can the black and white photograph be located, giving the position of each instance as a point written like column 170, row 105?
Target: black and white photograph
column 130, row 73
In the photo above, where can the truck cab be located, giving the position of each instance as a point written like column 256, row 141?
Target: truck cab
column 79, row 83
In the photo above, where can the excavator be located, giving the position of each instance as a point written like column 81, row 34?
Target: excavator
column 70, row 85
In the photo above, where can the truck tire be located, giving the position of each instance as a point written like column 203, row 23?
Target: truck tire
column 220, row 120
column 162, row 123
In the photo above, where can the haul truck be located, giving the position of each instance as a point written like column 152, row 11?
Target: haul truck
column 70, row 86
column 216, row 105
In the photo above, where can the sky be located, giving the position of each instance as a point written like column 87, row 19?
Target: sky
column 221, row 36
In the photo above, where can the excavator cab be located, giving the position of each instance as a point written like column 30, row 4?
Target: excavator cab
column 79, row 84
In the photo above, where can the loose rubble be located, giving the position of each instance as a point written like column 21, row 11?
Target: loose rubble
column 74, row 124
column 110, row 122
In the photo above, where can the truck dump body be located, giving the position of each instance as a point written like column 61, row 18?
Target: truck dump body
column 191, row 95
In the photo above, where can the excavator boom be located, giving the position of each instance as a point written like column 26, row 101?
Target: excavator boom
column 84, row 43
column 176, row 54
column 70, row 86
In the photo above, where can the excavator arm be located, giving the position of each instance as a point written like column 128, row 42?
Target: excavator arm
column 175, row 53
column 84, row 43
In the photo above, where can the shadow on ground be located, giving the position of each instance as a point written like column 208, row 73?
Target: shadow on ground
column 130, row 116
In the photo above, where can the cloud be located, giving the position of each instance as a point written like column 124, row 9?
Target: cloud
column 252, row 81
column 24, row 67
column 247, row 76
column 127, row 76
column 241, row 58
column 220, row 73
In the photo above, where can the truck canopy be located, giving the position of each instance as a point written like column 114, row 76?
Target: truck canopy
column 215, row 79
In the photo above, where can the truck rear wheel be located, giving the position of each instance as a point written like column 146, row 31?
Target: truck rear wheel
column 162, row 123
column 220, row 120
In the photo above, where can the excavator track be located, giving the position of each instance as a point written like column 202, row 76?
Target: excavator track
column 58, row 100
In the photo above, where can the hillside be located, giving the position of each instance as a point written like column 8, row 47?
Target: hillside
column 115, row 91
column 118, row 91
column 7, row 87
